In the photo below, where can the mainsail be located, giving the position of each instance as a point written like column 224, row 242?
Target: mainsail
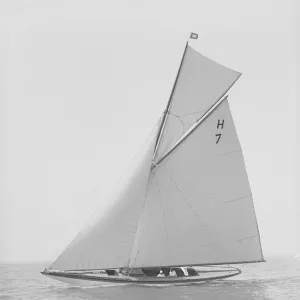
column 193, row 206
column 199, row 207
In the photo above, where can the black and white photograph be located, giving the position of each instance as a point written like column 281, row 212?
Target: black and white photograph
column 149, row 150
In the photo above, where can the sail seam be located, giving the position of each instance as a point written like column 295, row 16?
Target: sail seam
column 164, row 221
column 247, row 238
column 237, row 199
column 183, row 197
column 136, row 236
column 199, row 219
column 225, row 242
column 140, row 219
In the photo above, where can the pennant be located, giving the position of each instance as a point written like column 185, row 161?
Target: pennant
column 194, row 35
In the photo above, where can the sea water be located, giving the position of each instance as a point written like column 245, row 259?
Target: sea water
column 278, row 278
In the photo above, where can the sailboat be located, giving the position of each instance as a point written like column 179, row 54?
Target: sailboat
column 186, row 212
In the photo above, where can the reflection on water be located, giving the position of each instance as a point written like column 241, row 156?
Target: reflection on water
column 276, row 279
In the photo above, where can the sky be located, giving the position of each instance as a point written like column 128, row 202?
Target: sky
column 82, row 84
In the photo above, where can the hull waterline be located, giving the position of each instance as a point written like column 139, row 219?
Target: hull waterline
column 85, row 280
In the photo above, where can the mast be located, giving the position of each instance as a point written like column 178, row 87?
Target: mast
column 166, row 112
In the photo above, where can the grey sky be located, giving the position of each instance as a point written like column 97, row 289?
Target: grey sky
column 83, row 82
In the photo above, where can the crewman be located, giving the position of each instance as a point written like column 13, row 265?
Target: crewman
column 161, row 274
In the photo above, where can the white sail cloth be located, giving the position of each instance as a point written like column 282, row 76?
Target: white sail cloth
column 195, row 207
column 201, row 82
column 199, row 207
column 107, row 241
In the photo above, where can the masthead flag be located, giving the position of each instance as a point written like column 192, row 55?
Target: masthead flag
column 194, row 35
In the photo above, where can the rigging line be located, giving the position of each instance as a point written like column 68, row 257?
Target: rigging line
column 240, row 198
column 166, row 112
column 198, row 122
column 81, row 259
column 142, row 230
column 182, row 124
column 192, row 128
column 143, row 208
column 93, row 260
column 178, row 117
column 186, row 201
column 150, row 178
column 196, row 215
column 187, row 126
column 192, row 113
column 136, row 235
column 157, row 188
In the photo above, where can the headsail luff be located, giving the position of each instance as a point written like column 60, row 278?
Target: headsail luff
column 201, row 83
column 196, row 206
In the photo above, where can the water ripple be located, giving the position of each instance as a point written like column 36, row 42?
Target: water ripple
column 275, row 280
